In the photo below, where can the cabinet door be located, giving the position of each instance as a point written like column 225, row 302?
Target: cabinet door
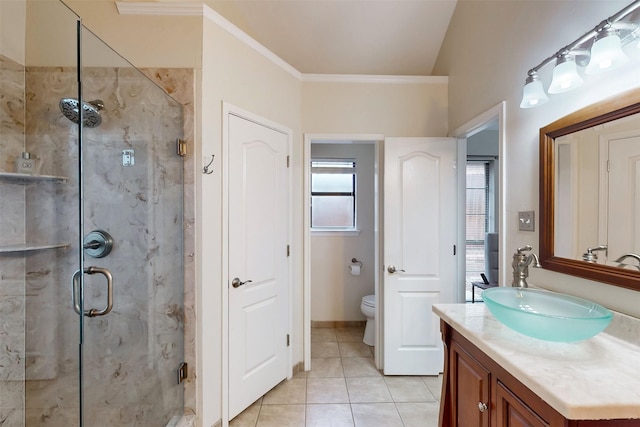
column 470, row 389
column 513, row 412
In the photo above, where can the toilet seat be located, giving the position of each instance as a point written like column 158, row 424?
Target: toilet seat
column 369, row 300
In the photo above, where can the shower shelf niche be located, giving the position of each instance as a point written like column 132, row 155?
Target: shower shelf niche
column 25, row 177
column 30, row 247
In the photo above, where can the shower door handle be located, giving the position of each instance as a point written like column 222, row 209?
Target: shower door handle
column 93, row 312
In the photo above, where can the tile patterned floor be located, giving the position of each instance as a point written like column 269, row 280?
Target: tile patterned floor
column 343, row 389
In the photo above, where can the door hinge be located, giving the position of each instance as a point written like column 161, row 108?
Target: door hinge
column 288, row 340
column 183, row 372
column 181, row 147
column 288, row 250
column 454, row 249
column 288, row 160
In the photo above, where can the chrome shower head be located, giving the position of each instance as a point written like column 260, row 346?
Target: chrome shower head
column 90, row 111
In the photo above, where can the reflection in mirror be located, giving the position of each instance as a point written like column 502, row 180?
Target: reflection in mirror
column 597, row 171
column 590, row 192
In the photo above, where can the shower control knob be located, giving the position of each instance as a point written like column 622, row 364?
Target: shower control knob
column 98, row 244
column 236, row 283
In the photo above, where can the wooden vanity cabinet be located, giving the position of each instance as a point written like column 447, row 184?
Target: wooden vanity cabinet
column 477, row 392
column 513, row 412
column 469, row 388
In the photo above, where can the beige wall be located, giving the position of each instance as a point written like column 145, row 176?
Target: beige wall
column 335, row 293
column 487, row 52
column 13, row 15
column 234, row 73
column 391, row 109
column 147, row 41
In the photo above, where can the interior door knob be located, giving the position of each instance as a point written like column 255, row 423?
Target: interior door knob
column 392, row 269
column 236, row 283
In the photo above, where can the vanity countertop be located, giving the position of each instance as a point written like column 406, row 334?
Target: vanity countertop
column 598, row 378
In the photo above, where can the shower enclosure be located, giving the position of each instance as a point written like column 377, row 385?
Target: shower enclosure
column 91, row 264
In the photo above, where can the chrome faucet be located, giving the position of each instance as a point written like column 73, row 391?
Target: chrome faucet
column 589, row 256
column 629, row 255
column 520, row 266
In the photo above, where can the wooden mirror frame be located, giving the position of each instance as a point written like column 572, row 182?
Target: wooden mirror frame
column 605, row 111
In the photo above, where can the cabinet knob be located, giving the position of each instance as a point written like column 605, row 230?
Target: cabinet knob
column 482, row 406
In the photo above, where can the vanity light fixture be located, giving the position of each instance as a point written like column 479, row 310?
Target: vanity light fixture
column 600, row 49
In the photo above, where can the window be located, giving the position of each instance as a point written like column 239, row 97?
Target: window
column 479, row 214
column 333, row 194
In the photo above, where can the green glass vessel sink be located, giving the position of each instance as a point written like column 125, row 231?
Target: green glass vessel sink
column 546, row 315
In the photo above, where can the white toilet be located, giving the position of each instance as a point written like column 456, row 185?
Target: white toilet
column 368, row 308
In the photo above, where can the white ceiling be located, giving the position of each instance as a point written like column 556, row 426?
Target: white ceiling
column 378, row 37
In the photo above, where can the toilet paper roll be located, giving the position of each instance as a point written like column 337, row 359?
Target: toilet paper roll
column 354, row 270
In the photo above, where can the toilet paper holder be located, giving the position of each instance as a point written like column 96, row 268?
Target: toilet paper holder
column 355, row 267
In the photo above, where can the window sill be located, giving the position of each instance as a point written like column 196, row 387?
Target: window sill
column 334, row 233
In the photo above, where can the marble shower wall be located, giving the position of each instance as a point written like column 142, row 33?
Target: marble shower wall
column 12, row 232
column 179, row 83
column 131, row 355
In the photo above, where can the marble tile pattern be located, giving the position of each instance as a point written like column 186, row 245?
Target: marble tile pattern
column 12, row 231
column 130, row 355
column 179, row 84
column 593, row 379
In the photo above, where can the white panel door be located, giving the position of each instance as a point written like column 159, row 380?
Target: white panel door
column 624, row 197
column 258, row 230
column 419, row 237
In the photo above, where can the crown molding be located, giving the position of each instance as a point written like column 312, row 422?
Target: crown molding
column 366, row 78
column 179, row 8
column 229, row 27
column 168, row 8
column 159, row 8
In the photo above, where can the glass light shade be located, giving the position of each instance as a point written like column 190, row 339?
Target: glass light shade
column 565, row 77
column 606, row 54
column 533, row 93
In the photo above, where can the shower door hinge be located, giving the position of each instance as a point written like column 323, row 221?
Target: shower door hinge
column 288, row 250
column 181, row 147
column 288, row 340
column 288, row 160
column 183, row 372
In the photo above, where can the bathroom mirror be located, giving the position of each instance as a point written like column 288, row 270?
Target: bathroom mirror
column 583, row 204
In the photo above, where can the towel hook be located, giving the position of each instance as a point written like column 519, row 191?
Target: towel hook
column 205, row 170
column 355, row 261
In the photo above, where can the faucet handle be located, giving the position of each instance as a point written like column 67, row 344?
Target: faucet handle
column 590, row 256
column 524, row 248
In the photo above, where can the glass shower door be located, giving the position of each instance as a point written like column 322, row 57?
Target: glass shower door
column 131, row 221
column 39, row 364
column 73, row 353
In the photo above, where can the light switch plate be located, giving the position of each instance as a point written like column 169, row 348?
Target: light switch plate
column 526, row 221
